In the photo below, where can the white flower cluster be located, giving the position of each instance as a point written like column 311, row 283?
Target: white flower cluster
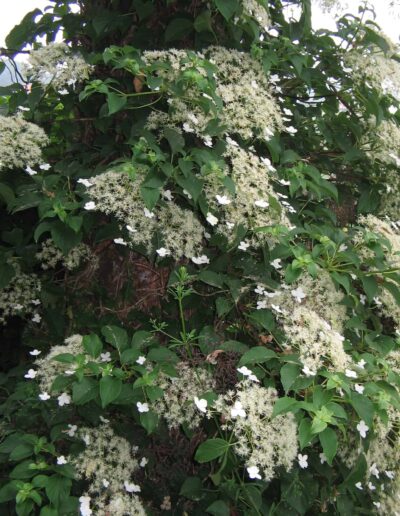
column 107, row 463
column 55, row 64
column 248, row 107
column 20, row 296
column 179, row 230
column 312, row 316
column 176, row 406
column 258, row 12
column 265, row 443
column 50, row 255
column 21, row 142
column 383, row 143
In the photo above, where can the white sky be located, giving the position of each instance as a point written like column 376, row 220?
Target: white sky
column 14, row 10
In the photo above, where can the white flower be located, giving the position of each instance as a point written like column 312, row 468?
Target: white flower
column 105, row 483
column 261, row 203
column 167, row 194
column 298, row 294
column 131, row 488
column 45, row 166
column 229, row 141
column 273, row 33
column 142, row 407
column 350, row 374
column 223, row 199
column 71, row 430
column 44, row 396
column 105, row 357
column 149, row 214
column 120, row 241
column 362, row 428
column 131, row 229
column 243, row 246
column 276, row 308
column 259, row 290
column 199, row 260
column 254, row 85
column 377, row 301
column 302, row 459
column 261, row 304
column 359, row 388
column 322, row 458
column 392, row 110
column 308, row 372
column 85, row 182
column 201, row 404
column 287, row 112
column 69, row 372
column 144, row 461
column 85, row 506
column 359, row 486
column 64, row 399
column 268, row 164
column 371, row 486
column 185, row 192
column 245, row 371
column 254, row 472
column 207, row 140
column 276, row 264
column 141, row 360
column 211, row 219
column 284, row 182
column 390, row 474
column 229, row 225
column 377, row 504
column 86, row 439
column 163, row 252
column 374, row 470
column 23, row 108
column 238, row 410
column 363, row 299
column 104, row 419
column 35, row 352
column 90, row 206
column 361, row 363
column 61, row 460
column 291, row 130
column 30, row 171
column 30, row 374
column 36, row 318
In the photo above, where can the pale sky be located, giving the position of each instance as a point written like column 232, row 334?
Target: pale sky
column 14, row 10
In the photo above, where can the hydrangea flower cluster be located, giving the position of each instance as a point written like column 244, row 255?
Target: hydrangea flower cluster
column 50, row 256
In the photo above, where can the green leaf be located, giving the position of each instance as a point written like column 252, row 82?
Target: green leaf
column 289, row 374
column 370, row 286
column 305, row 434
column 329, row 442
column 211, row 278
column 84, row 391
column 8, row 492
column 47, row 510
column 22, row 451
column 162, row 355
column 6, row 193
column 223, row 306
column 218, row 508
column 177, row 29
column 257, row 355
column 176, row 140
column 227, row 8
column 203, row 22
column 264, row 318
column 211, row 449
column 283, row 405
column 149, row 421
column 21, row 33
column 64, row 237
column 115, row 102
column 57, row 489
column 129, row 356
column 116, row 336
column 92, row 344
column 110, row 389
column 192, row 488
column 7, row 272
column 363, row 406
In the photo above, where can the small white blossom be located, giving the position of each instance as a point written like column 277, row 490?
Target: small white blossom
column 350, row 374
column 377, row 504
column 44, row 396
column 61, row 460
column 201, row 404
column 131, row 488
column 390, row 474
column 362, row 429
column 359, row 388
column 211, row 219
column 45, row 166
column 284, row 182
column 261, row 305
column 308, row 372
column 90, row 205
column 30, row 171
column 361, row 363
column 69, row 372
column 200, row 260
column 392, row 110
column 291, row 130
column 229, row 141
column 276, row 264
column 71, row 430
column 223, row 200
column 142, row 407
column 85, row 182
column 64, row 399
column 243, row 246
column 259, row 290
column 303, row 460
column 36, row 318
column 273, row 33
column 31, row 374
column 144, row 461
column 185, row 192
column 35, row 352
column 322, row 458
column 141, row 360
column 163, row 252
column 131, row 229
column 254, row 472
column 105, row 483
column 374, row 470
column 371, row 486
column 261, row 203
column 167, row 194
column 84, row 507
column 298, row 294
column 104, row 420
column 105, row 357
column 120, row 241
column 148, row 214
column 359, row 486
column 238, row 410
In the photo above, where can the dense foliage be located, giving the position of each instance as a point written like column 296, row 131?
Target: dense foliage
column 199, row 262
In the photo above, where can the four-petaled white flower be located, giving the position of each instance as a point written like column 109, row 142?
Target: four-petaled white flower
column 390, row 474
column 30, row 171
column 64, row 399
column 131, row 488
column 105, row 483
column 120, row 241
column 308, row 372
column 61, row 460
column 359, row 486
column 45, row 166
column 261, row 203
column 201, row 404
column 30, row 374
column 200, row 260
column 104, row 419
column 36, row 318
column 276, row 264
column 303, row 460
column 105, row 357
column 243, row 246
column 223, row 200
column 142, row 407
column 298, row 294
column 362, row 428
column 371, row 486
column 322, row 458
column 259, row 290
column 273, row 33
column 276, row 308
column 350, row 374
column 163, row 252
column 211, row 219
column 284, row 182
column 167, row 194
column 238, row 410
column 149, row 214
column 245, row 371
column 44, row 396
column 35, row 352
column 291, row 130
column 84, row 507
column 90, row 205
column 254, row 472
column 359, row 388
column 377, row 504
column 141, row 360
column 392, row 109
column 374, row 470
column 85, row 182
column 261, row 304
column 144, row 461
column 361, row 363
column 71, row 430
column 131, row 229
column 185, row 192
